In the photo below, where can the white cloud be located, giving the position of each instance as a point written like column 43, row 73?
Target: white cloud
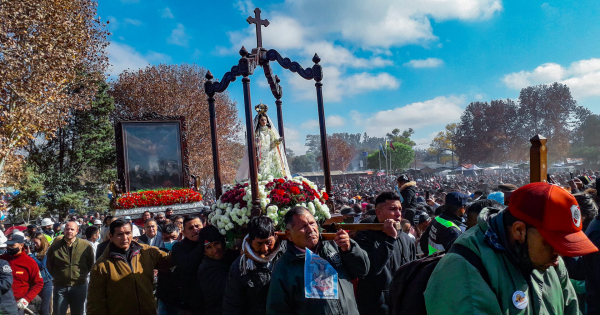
column 246, row 7
column 335, row 121
column 122, row 57
column 337, row 85
column 339, row 56
column 582, row 77
column 178, row 36
column 294, row 141
column 387, row 23
column 310, row 124
column 167, row 14
column 425, row 63
column 133, row 22
column 438, row 111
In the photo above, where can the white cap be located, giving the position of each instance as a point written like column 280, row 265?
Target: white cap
column 62, row 227
column 17, row 232
column 47, row 221
column 97, row 222
column 136, row 231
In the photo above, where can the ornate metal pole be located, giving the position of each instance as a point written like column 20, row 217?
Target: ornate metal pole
column 256, row 210
column 278, row 103
column 324, row 153
column 213, row 134
column 538, row 159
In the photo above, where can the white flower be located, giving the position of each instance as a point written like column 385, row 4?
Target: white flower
column 223, row 232
column 220, row 224
column 214, row 206
column 219, row 212
column 229, row 226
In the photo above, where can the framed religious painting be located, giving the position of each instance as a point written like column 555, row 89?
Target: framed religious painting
column 152, row 152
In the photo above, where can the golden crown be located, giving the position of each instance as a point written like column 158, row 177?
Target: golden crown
column 261, row 108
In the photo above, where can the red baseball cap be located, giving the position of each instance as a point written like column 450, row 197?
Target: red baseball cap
column 556, row 214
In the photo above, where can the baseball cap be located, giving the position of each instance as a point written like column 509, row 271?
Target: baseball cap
column 556, row 215
column 420, row 217
column 127, row 218
column 456, row 198
column 97, row 222
column 15, row 239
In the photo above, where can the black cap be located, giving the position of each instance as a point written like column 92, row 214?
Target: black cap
column 456, row 198
column 346, row 211
column 15, row 239
column 403, row 178
column 420, row 217
column 210, row 234
column 31, row 226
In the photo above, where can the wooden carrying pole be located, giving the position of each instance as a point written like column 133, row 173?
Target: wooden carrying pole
column 538, row 159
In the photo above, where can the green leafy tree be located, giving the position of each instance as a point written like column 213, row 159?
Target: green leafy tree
column 404, row 137
column 79, row 163
column 401, row 158
column 587, row 140
column 29, row 203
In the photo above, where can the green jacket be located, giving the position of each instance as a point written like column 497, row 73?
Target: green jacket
column 70, row 267
column 286, row 292
column 455, row 286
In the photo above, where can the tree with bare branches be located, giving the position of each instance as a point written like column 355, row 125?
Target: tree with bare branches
column 52, row 54
column 178, row 90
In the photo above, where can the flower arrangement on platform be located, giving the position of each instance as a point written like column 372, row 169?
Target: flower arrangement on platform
column 277, row 196
column 156, row 198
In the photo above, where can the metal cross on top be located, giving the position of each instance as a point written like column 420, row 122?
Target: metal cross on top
column 256, row 20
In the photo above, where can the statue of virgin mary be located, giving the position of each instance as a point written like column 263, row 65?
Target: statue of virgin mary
column 270, row 153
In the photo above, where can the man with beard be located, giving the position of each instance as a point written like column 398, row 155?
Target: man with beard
column 188, row 254
column 344, row 259
column 520, row 249
column 250, row 274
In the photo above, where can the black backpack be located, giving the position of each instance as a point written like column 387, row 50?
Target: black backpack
column 410, row 281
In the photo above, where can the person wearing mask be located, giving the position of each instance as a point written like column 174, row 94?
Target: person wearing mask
column 92, row 235
column 342, row 256
column 520, row 251
column 8, row 305
column 47, row 229
column 169, row 236
column 152, row 237
column 70, row 260
column 214, row 269
column 122, row 279
column 27, row 281
column 250, row 275
column 445, row 228
column 387, row 251
column 187, row 255
column 167, row 285
column 39, row 255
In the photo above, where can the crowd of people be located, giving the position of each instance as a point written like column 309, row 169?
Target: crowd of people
column 488, row 245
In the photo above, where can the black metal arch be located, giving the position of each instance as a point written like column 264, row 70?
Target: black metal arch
column 245, row 68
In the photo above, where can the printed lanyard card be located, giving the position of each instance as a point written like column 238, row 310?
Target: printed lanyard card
column 320, row 278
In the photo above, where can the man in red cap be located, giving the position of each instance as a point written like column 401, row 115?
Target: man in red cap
column 518, row 252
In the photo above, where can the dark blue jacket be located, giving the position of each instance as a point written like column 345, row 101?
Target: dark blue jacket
column 42, row 265
column 8, row 304
column 592, row 269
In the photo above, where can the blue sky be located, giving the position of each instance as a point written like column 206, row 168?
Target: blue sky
column 387, row 64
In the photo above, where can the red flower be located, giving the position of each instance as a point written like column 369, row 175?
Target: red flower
column 280, row 180
column 295, row 190
column 325, row 196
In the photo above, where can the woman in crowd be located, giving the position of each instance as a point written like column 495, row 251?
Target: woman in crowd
column 40, row 248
